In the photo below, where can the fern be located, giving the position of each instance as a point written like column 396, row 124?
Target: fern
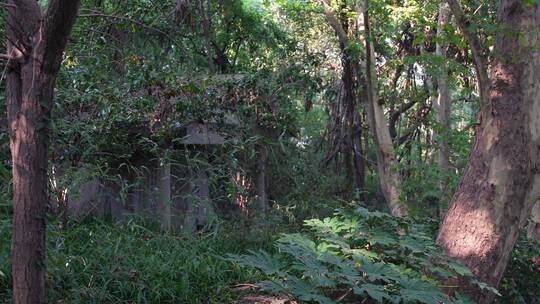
column 357, row 255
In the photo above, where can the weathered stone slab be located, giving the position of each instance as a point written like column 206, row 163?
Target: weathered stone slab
column 177, row 197
column 202, row 134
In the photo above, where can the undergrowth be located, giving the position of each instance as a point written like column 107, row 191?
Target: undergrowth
column 521, row 281
column 97, row 262
column 352, row 257
column 358, row 256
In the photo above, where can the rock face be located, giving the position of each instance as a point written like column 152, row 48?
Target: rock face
column 533, row 231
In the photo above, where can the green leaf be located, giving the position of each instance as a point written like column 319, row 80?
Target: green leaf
column 420, row 291
column 485, row 286
column 381, row 238
column 459, row 299
column 363, row 255
column 371, row 214
column 460, row 269
column 412, row 244
column 261, row 260
column 379, row 271
column 376, row 292
column 307, row 292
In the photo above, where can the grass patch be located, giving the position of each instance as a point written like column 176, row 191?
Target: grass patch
column 98, row 262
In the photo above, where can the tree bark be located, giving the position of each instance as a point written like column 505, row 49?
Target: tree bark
column 359, row 158
column 348, row 127
column 501, row 182
column 443, row 102
column 164, row 197
column 204, row 9
column 533, row 231
column 262, row 195
column 389, row 178
column 35, row 43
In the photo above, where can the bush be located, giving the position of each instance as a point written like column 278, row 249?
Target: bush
column 358, row 255
column 521, row 281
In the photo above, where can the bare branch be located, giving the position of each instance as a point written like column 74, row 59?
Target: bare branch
column 468, row 27
column 7, row 4
column 139, row 23
column 394, row 117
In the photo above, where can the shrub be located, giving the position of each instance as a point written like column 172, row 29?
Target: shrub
column 358, row 255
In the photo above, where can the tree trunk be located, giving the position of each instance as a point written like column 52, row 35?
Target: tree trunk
column 359, row 158
column 262, row 196
column 468, row 28
column 389, row 178
column 533, row 231
column 35, row 46
column 204, row 9
column 501, row 182
column 164, row 197
column 347, row 130
column 443, row 103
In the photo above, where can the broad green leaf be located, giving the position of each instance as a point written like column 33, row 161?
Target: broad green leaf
column 379, row 271
column 381, row 238
column 261, row 260
column 376, row 292
column 460, row 269
column 420, row 291
column 485, row 286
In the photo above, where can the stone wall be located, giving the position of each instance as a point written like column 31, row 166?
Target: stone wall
column 178, row 198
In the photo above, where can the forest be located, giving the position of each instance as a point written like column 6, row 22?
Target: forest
column 270, row 151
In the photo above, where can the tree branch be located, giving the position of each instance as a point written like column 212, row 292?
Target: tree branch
column 59, row 20
column 139, row 23
column 395, row 116
column 334, row 23
column 22, row 21
column 467, row 27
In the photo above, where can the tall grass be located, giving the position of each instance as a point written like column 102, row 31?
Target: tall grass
column 98, row 262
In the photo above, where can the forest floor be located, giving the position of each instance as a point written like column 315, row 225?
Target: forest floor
column 95, row 261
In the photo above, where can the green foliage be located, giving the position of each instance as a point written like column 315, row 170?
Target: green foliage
column 521, row 281
column 357, row 255
column 5, row 191
column 280, row 75
column 99, row 262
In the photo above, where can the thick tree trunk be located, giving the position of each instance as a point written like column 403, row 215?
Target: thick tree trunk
column 35, row 46
column 443, row 103
column 501, row 182
column 386, row 157
column 30, row 197
column 349, row 127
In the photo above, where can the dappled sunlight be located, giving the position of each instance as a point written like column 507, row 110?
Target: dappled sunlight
column 474, row 236
column 280, row 151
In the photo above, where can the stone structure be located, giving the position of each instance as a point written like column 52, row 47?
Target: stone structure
column 174, row 193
